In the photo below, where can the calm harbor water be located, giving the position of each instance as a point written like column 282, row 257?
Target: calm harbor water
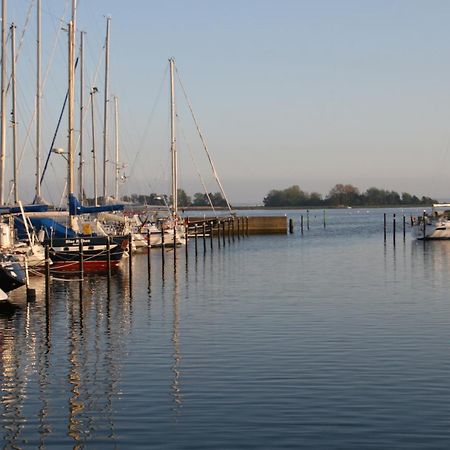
column 330, row 340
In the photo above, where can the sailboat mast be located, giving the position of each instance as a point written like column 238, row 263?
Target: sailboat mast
column 116, row 115
column 3, row 106
column 80, row 154
column 38, row 100
column 173, row 148
column 94, row 159
column 13, row 111
column 70, row 150
column 105, row 109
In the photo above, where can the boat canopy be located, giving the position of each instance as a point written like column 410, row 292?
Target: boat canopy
column 76, row 208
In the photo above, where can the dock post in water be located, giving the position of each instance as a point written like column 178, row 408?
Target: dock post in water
column 404, row 227
column 393, row 229
column 384, row 226
column 186, row 232
column 108, row 258
column 130, row 261
column 424, row 220
column 218, row 234
column 324, row 219
column 81, row 262
column 204, row 237
column 307, row 219
column 246, row 226
column 238, row 228
column 223, row 233
column 162, row 245
column 149, row 249
column 211, row 238
column 301, row 223
column 291, row 226
column 232, row 228
column 196, row 239
column 47, row 275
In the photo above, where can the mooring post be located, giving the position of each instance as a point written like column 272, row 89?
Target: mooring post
column 232, row 228
column 204, row 237
column 162, row 246
column 393, row 229
column 307, row 219
column 108, row 258
column 81, row 262
column 47, row 274
column 186, row 233
column 301, row 223
column 223, row 233
column 404, row 227
column 228, row 230
column 196, row 238
column 291, row 226
column 384, row 226
column 130, row 261
column 324, row 219
column 238, row 228
column 424, row 220
column 211, row 234
column 218, row 233
column 247, row 220
column 149, row 249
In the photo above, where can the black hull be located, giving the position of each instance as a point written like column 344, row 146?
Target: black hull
column 65, row 252
column 12, row 276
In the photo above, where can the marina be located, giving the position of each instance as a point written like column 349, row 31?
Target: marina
column 232, row 339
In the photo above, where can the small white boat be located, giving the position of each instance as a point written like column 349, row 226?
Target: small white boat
column 433, row 227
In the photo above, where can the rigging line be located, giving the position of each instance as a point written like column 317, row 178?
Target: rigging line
column 197, row 170
column 21, row 40
column 150, row 119
column 27, row 137
column 203, row 141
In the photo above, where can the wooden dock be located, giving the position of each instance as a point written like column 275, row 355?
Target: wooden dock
column 248, row 225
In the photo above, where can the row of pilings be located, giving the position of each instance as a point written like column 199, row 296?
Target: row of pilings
column 205, row 235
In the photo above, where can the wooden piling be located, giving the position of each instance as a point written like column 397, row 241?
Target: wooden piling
column 307, row 219
column 149, row 249
column 238, row 219
column 204, row 237
column 232, row 229
column 162, row 246
column 324, row 219
column 81, row 262
column 223, row 232
column 130, row 261
column 47, row 274
column 291, row 226
column 404, row 227
column 393, row 229
column 211, row 237
column 301, row 223
column 196, row 239
column 384, row 226
column 108, row 258
column 218, row 234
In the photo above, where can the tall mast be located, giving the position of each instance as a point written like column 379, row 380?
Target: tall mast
column 80, row 169
column 38, row 101
column 105, row 109
column 13, row 111
column 70, row 150
column 117, row 171
column 3, row 105
column 173, row 148
column 94, row 159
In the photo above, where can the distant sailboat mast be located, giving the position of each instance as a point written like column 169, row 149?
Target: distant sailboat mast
column 38, row 101
column 3, row 105
column 173, row 148
column 13, row 111
column 105, row 109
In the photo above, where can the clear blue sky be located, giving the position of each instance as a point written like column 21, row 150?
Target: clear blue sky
column 286, row 92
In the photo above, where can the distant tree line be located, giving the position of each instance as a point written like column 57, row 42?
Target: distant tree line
column 342, row 195
column 184, row 200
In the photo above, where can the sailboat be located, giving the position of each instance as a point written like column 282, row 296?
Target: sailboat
column 435, row 226
column 99, row 249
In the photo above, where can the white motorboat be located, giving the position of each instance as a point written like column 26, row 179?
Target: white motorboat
column 433, row 227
